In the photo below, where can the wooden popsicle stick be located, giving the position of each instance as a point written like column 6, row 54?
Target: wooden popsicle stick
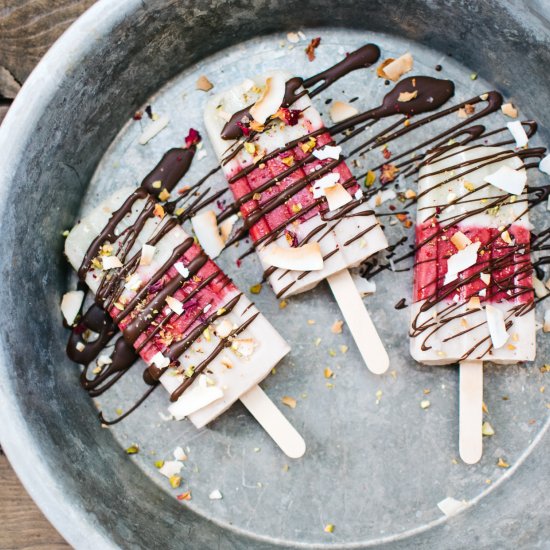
column 274, row 422
column 359, row 322
column 470, row 411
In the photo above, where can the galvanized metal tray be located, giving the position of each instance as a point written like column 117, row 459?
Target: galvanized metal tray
column 377, row 463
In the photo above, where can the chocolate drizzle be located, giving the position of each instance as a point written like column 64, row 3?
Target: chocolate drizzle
column 168, row 172
column 359, row 59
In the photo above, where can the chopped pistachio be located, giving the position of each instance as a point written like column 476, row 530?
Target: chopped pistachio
column 159, row 464
column 328, row 373
column 283, row 304
column 343, row 348
column 256, row 289
column 329, row 528
column 473, row 76
column 487, row 429
column 370, row 178
column 249, row 147
column 175, row 481
column 189, row 371
column 132, row 449
column 502, row 463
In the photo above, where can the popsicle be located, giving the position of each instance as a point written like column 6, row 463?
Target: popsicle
column 301, row 205
column 473, row 292
column 201, row 338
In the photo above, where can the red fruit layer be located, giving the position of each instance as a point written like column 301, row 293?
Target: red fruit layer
column 178, row 327
column 508, row 264
column 272, row 168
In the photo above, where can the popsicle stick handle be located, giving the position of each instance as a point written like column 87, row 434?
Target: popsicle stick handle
column 274, row 422
column 470, row 411
column 359, row 322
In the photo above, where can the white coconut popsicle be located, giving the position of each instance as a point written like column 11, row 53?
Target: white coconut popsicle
column 202, row 339
column 473, row 292
column 300, row 202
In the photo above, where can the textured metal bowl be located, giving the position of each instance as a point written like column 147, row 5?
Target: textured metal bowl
column 68, row 113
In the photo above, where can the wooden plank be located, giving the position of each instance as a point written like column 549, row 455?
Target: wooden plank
column 27, row 29
column 22, row 524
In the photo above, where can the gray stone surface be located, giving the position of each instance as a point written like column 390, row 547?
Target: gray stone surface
column 375, row 471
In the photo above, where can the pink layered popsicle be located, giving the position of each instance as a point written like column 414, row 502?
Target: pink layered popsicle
column 273, row 179
column 199, row 335
column 485, row 310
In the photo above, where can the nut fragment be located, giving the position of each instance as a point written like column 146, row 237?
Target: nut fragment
column 509, row 110
column 289, row 401
column 204, row 84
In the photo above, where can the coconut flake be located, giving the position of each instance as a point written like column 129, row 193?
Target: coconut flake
column 474, row 303
column 381, row 197
column 103, row 360
column 485, row 277
column 160, row 361
column 271, row 99
column 153, row 129
column 509, row 180
column 319, row 186
column 71, row 304
column 497, row 326
column 544, row 165
column 206, row 229
column 215, row 495
column 223, row 329
column 509, row 110
column 147, row 253
column 460, row 261
column 450, row 506
column 398, row 67
column 244, row 346
column 341, row 111
column 337, row 196
column 179, row 454
column 328, row 152
column 538, row 286
column 133, row 283
column 293, row 37
column 171, row 468
column 460, row 240
column 110, row 262
column 181, row 269
column 518, row 132
column 363, row 285
column 307, row 257
column 227, row 225
column 174, row 304
column 194, row 399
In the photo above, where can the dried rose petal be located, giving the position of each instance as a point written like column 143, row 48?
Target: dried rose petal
column 310, row 50
column 193, row 137
column 291, row 238
column 244, row 128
